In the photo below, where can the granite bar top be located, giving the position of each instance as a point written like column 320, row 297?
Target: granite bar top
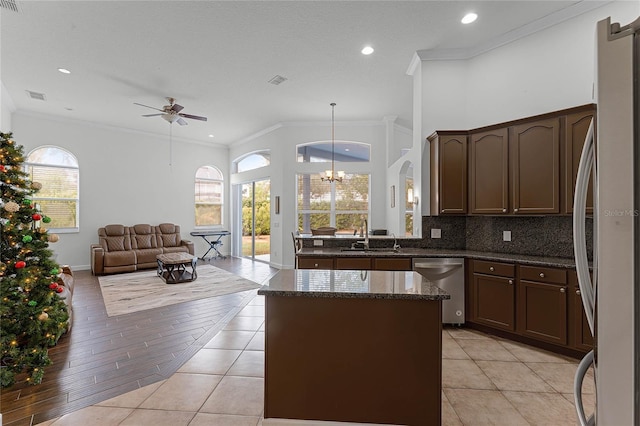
column 352, row 285
column 558, row 262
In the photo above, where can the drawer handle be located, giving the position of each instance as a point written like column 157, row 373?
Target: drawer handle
column 511, row 282
column 562, row 289
column 578, row 292
column 541, row 274
column 491, row 268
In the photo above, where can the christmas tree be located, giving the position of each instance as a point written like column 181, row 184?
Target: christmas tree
column 32, row 314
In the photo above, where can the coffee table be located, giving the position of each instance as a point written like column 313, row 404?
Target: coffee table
column 172, row 267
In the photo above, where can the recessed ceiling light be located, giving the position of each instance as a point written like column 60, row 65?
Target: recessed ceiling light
column 367, row 50
column 346, row 149
column 211, row 136
column 469, row 18
column 64, row 71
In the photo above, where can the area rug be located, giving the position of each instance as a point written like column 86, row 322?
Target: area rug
column 138, row 291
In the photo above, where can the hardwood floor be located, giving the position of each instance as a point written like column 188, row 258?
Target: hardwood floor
column 102, row 357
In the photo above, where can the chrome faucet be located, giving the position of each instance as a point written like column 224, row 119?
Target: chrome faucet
column 396, row 246
column 366, row 233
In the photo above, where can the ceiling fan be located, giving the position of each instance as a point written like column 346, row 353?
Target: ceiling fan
column 171, row 113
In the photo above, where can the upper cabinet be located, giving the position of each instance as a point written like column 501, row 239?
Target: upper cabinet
column 534, row 150
column 523, row 167
column 489, row 172
column 576, row 126
column 448, row 173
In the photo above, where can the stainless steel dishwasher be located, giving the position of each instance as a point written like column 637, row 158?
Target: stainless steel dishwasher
column 448, row 274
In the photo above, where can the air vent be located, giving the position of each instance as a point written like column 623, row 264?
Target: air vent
column 9, row 5
column 36, row 95
column 277, row 80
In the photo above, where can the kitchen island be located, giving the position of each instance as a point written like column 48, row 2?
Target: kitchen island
column 353, row 346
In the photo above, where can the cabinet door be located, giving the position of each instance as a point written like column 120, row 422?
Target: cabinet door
column 489, row 178
column 534, row 149
column 576, row 127
column 392, row 264
column 493, row 301
column 542, row 311
column 449, row 174
column 579, row 333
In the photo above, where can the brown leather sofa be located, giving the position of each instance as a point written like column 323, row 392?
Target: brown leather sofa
column 131, row 248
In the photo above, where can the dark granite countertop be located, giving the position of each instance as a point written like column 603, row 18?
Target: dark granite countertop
column 558, row 262
column 352, row 284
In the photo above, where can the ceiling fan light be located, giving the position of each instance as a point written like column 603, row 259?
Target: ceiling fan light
column 171, row 118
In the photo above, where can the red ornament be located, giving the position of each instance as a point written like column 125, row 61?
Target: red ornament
column 53, row 286
column 59, row 289
column 20, row 264
column 2, row 168
column 36, row 216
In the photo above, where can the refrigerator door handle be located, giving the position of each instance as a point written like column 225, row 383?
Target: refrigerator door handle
column 583, row 367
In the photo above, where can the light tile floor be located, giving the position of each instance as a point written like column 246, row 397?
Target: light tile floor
column 486, row 381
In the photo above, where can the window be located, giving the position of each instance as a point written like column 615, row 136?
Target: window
column 342, row 205
column 57, row 170
column 252, row 161
column 408, row 214
column 319, row 152
column 209, row 196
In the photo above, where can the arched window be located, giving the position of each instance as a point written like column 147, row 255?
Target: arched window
column 255, row 160
column 208, row 196
column 58, row 172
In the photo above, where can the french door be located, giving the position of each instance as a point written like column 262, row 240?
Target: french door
column 255, row 220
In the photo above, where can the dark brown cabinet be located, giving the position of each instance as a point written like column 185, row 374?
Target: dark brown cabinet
column 315, row 263
column 391, row 264
column 575, row 131
column 579, row 331
column 448, row 173
column 542, row 304
column 353, row 263
column 489, row 172
column 534, row 150
column 493, row 295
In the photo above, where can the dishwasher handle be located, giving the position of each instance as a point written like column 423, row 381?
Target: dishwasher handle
column 435, row 265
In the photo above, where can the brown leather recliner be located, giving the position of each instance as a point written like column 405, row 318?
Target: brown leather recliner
column 130, row 248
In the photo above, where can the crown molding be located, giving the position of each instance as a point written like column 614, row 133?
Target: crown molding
column 536, row 26
column 76, row 121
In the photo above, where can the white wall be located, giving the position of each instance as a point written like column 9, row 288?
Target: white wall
column 6, row 109
column 125, row 178
column 282, row 141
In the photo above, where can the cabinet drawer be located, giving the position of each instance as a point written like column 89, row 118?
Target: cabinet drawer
column 544, row 275
column 493, row 268
column 353, row 263
column 315, row 263
column 392, row 264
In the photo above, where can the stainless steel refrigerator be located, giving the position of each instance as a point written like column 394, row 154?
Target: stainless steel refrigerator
column 612, row 299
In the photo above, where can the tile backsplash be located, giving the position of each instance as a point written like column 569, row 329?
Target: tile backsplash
column 530, row 235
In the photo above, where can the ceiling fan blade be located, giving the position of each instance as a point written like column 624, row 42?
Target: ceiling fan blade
column 151, row 115
column 147, row 106
column 182, row 122
column 194, row 117
column 177, row 108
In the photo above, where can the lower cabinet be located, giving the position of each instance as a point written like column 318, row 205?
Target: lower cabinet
column 493, row 295
column 355, row 262
column 315, row 263
column 542, row 304
column 538, row 303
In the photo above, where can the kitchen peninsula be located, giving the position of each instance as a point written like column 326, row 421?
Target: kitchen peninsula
column 354, row 346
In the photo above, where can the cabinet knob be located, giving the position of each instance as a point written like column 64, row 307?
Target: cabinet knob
column 515, row 210
column 491, row 268
column 504, row 210
column 562, row 289
column 541, row 274
column 578, row 292
column 511, row 282
column 442, row 211
column 315, row 265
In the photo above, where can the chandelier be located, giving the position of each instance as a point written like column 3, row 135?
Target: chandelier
column 331, row 175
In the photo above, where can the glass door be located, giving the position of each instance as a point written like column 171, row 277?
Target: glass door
column 256, row 220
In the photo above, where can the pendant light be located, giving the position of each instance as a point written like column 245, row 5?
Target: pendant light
column 330, row 175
